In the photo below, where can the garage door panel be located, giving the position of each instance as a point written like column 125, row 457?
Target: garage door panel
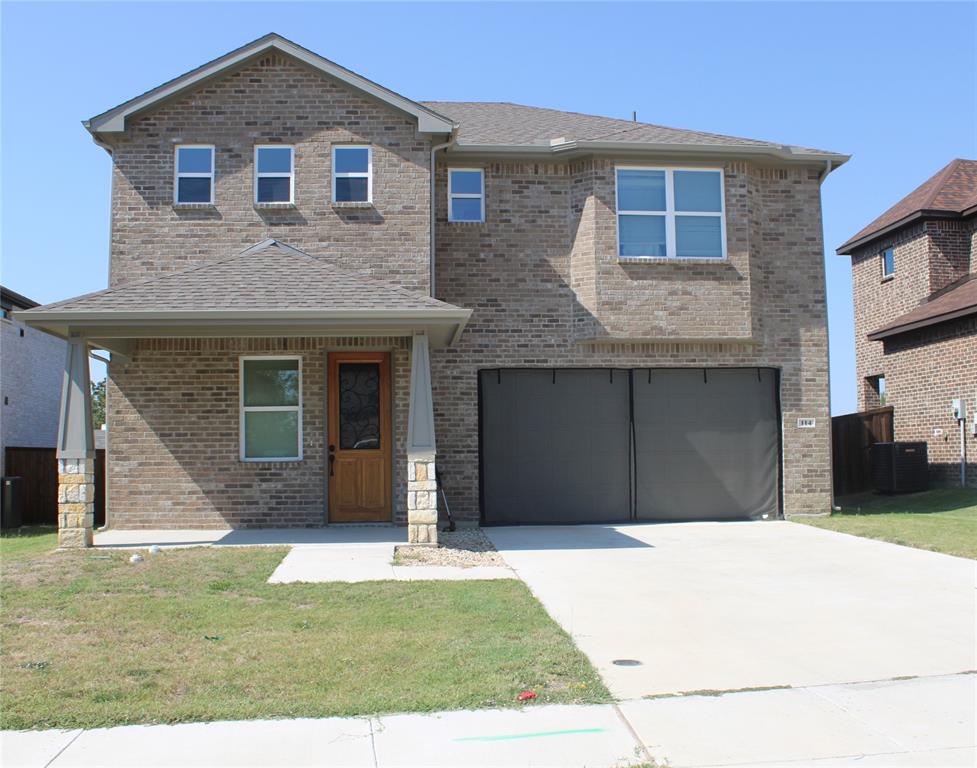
column 560, row 454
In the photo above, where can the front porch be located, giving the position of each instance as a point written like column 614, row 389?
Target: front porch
column 250, row 410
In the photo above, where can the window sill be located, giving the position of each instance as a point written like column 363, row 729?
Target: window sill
column 352, row 204
column 194, row 206
column 273, row 206
column 888, row 278
column 672, row 260
column 292, row 460
column 467, row 223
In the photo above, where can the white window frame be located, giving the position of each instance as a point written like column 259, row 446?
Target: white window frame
column 186, row 175
column 452, row 195
column 275, row 175
column 887, row 275
column 254, row 408
column 368, row 174
column 670, row 213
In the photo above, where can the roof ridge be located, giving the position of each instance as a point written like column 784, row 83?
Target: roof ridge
column 939, row 179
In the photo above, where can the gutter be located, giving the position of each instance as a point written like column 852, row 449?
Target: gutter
column 935, row 320
column 431, row 202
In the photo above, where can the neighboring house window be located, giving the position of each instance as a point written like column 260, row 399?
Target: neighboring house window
column 888, row 262
column 670, row 213
column 352, row 174
column 466, row 194
column 274, row 177
column 271, row 408
column 194, row 174
column 876, row 392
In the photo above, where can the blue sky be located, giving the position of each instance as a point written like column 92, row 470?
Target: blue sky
column 894, row 85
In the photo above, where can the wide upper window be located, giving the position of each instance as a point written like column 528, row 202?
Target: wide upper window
column 194, row 181
column 888, row 262
column 466, row 194
column 274, row 174
column 271, row 408
column 670, row 213
column 352, row 174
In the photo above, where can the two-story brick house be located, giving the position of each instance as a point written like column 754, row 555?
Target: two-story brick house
column 915, row 296
column 312, row 277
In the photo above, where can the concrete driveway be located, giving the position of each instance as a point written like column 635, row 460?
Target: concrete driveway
column 728, row 606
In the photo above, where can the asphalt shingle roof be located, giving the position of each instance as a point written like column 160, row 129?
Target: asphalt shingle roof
column 953, row 189
column 960, row 300
column 268, row 276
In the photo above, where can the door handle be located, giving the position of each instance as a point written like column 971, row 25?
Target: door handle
column 332, row 458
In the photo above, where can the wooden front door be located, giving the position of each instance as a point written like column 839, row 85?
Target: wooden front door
column 359, row 437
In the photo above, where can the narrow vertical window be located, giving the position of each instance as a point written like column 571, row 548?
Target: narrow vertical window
column 194, row 181
column 888, row 262
column 271, row 408
column 352, row 174
column 466, row 194
column 274, row 176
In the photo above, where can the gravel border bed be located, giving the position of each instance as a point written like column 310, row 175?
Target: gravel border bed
column 465, row 548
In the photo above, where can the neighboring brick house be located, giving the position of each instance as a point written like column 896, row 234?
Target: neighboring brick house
column 598, row 319
column 914, row 277
column 31, row 373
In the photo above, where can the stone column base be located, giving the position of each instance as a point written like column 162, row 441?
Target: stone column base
column 76, row 502
column 422, row 500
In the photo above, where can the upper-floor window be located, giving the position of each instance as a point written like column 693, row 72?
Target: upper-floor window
column 194, row 181
column 352, row 174
column 888, row 262
column 466, row 194
column 274, row 174
column 670, row 213
column 271, row 408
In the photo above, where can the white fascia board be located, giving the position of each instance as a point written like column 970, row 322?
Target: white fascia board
column 114, row 120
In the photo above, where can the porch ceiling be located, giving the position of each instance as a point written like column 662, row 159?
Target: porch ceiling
column 270, row 289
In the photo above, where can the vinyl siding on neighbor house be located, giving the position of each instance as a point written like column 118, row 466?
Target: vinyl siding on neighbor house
column 541, row 274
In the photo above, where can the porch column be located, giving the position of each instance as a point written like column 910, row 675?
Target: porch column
column 76, row 451
column 422, row 493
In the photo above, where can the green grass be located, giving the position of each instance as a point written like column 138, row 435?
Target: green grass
column 89, row 640
column 943, row 520
column 27, row 541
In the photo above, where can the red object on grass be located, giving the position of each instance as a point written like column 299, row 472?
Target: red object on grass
column 526, row 696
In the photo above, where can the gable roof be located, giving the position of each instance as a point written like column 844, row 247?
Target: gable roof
column 952, row 192
column 491, row 126
column 269, row 284
column 959, row 300
column 114, row 120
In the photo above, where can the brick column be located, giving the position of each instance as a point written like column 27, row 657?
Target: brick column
column 422, row 500
column 76, row 502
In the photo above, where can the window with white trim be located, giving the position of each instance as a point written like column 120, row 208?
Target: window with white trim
column 352, row 173
column 274, row 174
column 194, row 174
column 888, row 257
column 670, row 213
column 466, row 194
column 271, row 408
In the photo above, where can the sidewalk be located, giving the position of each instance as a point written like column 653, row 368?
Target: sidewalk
column 918, row 722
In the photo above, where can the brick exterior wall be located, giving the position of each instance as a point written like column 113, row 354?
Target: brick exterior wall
column 541, row 275
column 924, row 369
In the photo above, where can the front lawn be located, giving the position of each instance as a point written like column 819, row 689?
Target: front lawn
column 27, row 541
column 89, row 639
column 943, row 520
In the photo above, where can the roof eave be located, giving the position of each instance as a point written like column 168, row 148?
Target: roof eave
column 886, row 333
column 847, row 248
column 114, row 120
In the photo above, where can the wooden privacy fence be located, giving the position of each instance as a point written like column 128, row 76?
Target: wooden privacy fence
column 38, row 470
column 852, row 436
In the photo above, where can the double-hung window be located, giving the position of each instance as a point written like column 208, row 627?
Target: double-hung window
column 466, row 194
column 352, row 174
column 271, row 408
column 194, row 179
column 888, row 262
column 274, row 174
column 670, row 213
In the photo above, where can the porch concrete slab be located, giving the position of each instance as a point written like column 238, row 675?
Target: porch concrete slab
column 340, row 562
column 330, row 741
column 33, row 749
column 722, row 606
column 251, row 537
column 535, row 736
column 451, row 573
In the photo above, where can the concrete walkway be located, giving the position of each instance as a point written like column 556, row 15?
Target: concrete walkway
column 317, row 555
column 920, row 722
column 722, row 606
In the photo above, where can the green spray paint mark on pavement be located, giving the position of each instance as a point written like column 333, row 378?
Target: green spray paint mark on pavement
column 537, row 735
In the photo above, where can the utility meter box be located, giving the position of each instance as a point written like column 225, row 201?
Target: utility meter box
column 959, row 407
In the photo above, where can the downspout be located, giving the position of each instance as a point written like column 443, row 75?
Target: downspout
column 434, row 150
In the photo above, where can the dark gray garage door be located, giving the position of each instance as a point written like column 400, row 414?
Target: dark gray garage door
column 600, row 445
